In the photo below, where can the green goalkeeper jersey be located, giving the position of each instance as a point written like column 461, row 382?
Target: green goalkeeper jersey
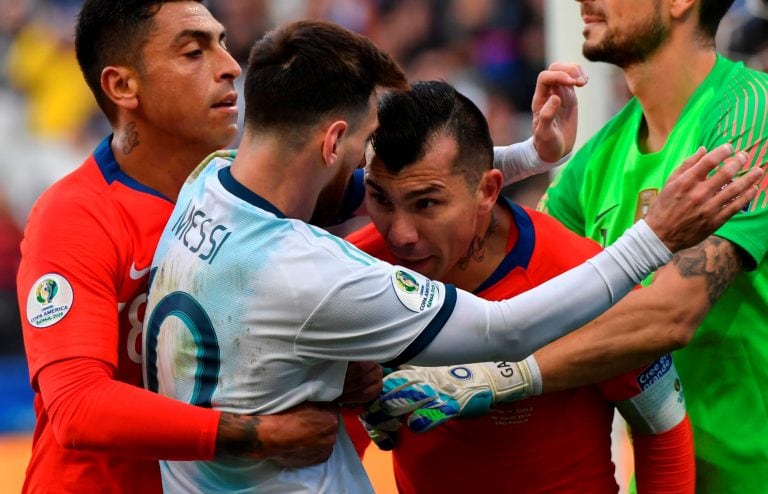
column 609, row 184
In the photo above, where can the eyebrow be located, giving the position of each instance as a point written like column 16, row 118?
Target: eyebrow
column 199, row 35
column 414, row 194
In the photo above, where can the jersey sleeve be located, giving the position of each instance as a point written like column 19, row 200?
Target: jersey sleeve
column 562, row 198
column 380, row 313
column 740, row 119
column 67, row 282
column 665, row 463
column 82, row 392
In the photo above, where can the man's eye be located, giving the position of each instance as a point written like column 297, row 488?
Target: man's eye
column 425, row 203
column 194, row 53
column 380, row 199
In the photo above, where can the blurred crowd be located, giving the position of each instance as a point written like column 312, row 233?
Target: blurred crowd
column 491, row 50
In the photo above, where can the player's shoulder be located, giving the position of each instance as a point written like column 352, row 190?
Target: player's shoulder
column 606, row 136
column 81, row 189
column 557, row 247
column 739, row 83
column 552, row 232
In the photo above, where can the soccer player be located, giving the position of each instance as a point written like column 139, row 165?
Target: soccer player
column 251, row 310
column 685, row 96
column 434, row 200
column 161, row 73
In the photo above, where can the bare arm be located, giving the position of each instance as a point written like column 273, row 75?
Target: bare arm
column 648, row 323
column 298, row 437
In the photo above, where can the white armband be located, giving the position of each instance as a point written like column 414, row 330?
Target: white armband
column 520, row 160
column 660, row 404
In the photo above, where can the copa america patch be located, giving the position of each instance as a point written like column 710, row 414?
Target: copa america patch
column 415, row 292
column 49, row 300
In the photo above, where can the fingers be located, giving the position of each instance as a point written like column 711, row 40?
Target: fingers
column 567, row 74
column 425, row 419
column 736, row 195
column 559, row 79
column 405, row 396
column 701, row 169
column 381, row 427
column 549, row 110
column 688, row 163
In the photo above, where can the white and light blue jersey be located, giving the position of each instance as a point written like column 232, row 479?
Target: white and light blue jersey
column 253, row 313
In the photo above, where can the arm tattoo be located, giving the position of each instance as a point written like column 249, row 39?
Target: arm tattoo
column 476, row 250
column 238, row 435
column 717, row 260
column 129, row 139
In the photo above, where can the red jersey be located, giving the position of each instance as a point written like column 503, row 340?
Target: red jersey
column 86, row 254
column 558, row 442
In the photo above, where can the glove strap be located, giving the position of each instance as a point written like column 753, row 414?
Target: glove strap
column 512, row 381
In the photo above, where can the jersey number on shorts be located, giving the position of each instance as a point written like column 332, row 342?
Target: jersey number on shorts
column 189, row 311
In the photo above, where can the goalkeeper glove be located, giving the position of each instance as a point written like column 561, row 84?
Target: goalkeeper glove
column 433, row 395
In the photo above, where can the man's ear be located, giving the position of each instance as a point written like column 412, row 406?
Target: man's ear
column 121, row 85
column 331, row 140
column 489, row 189
column 682, row 8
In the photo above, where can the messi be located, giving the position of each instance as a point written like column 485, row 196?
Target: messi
column 199, row 234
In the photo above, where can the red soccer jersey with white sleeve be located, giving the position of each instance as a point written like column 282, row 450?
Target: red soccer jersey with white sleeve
column 103, row 227
column 558, row 442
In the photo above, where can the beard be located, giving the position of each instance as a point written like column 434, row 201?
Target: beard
column 631, row 46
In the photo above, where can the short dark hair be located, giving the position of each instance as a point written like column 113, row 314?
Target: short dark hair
column 307, row 70
column 409, row 121
column 711, row 12
column 112, row 33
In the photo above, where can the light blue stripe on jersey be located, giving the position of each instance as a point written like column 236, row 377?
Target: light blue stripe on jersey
column 349, row 249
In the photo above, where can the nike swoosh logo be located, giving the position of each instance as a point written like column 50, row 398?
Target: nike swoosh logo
column 599, row 216
column 137, row 274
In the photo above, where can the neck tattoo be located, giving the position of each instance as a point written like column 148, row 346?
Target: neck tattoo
column 129, row 139
column 476, row 250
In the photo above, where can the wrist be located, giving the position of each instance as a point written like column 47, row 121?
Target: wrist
column 512, row 381
column 241, row 435
column 542, row 162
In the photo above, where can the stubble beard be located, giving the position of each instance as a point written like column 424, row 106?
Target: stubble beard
column 624, row 49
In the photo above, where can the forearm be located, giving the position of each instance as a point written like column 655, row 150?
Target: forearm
column 514, row 328
column 648, row 323
column 91, row 411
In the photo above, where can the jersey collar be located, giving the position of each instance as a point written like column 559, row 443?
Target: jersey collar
column 521, row 253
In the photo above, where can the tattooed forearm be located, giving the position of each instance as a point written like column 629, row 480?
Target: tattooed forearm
column 716, row 259
column 238, row 435
column 476, row 250
column 129, row 138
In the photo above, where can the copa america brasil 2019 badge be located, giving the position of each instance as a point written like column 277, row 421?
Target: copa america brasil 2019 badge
column 414, row 291
column 49, row 300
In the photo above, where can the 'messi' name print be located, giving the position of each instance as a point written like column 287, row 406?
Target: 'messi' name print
column 197, row 231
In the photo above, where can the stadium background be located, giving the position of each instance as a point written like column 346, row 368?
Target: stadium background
column 491, row 50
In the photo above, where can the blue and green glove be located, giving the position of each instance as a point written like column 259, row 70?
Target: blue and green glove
column 433, row 395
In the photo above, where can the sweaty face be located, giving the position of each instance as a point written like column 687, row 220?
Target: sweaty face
column 187, row 78
column 351, row 150
column 426, row 213
column 620, row 32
